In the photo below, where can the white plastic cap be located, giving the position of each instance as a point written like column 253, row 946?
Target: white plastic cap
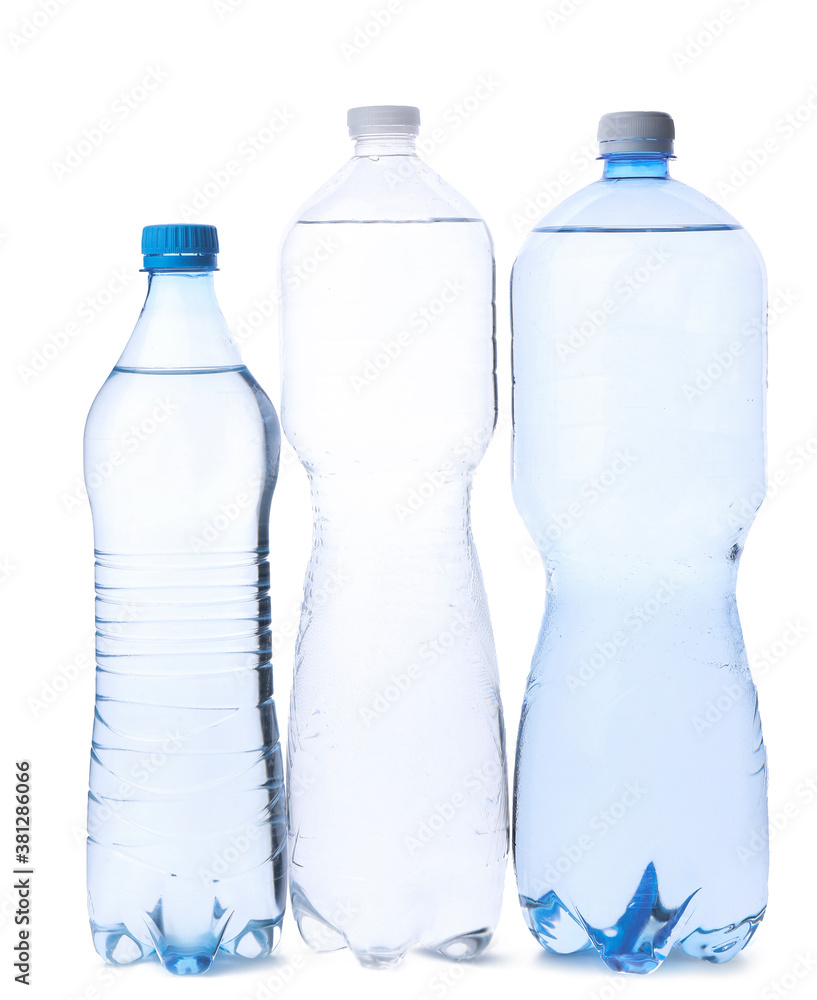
column 636, row 132
column 380, row 119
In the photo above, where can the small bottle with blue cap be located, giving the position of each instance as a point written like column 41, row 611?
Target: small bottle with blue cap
column 186, row 814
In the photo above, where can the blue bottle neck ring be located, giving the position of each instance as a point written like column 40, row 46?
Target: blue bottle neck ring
column 180, row 262
column 618, row 166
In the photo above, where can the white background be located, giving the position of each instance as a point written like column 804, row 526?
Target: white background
column 527, row 133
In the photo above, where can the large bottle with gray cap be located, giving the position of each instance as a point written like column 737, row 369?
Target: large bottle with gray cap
column 398, row 818
column 639, row 354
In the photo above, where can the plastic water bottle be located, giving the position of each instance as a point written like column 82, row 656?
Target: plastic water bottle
column 396, row 762
column 186, row 845
column 639, row 310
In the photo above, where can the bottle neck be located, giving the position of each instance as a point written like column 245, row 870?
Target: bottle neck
column 181, row 326
column 386, row 144
column 623, row 165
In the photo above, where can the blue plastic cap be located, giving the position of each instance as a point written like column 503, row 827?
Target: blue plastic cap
column 181, row 247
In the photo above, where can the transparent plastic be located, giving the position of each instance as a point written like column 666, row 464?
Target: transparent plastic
column 398, row 819
column 186, row 818
column 639, row 353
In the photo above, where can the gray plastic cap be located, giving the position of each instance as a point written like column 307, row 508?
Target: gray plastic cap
column 380, row 119
column 636, row 132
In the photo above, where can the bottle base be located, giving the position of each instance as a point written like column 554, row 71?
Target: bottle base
column 321, row 934
column 121, row 946
column 642, row 937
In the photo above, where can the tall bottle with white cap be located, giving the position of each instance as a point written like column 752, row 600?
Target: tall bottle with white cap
column 639, row 352
column 398, row 821
column 186, row 825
